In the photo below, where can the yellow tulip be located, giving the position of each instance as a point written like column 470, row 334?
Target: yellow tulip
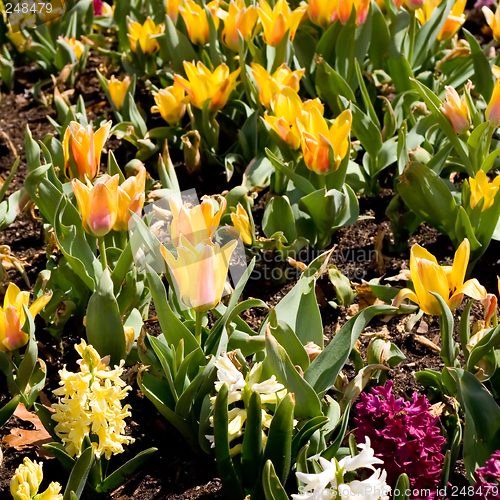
column 130, row 197
column 492, row 113
column 77, row 46
column 480, row 187
column 82, row 150
column 493, row 21
column 447, row 281
column 322, row 12
column 455, row 19
column 173, row 7
column 204, row 85
column 456, row 110
column 12, row 317
column 276, row 22
column 288, row 107
column 118, row 90
column 195, row 19
column 238, row 19
column 98, row 204
column 142, row 34
column 317, row 138
column 270, row 85
column 196, row 224
column 199, row 271
column 170, row 103
column 241, row 222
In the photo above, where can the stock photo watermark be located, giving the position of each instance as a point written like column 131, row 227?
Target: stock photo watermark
column 24, row 14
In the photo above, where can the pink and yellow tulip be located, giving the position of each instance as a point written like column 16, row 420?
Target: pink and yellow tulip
column 199, row 271
column 130, row 197
column 492, row 113
column 276, row 22
column 82, row 150
column 196, row 224
column 142, row 35
column 170, row 103
column 241, row 222
column 12, row 317
column 481, row 187
column 317, row 138
column 238, row 19
column 118, row 90
column 195, row 19
column 456, row 110
column 202, row 84
column 493, row 21
column 269, row 85
column 98, row 204
column 447, row 281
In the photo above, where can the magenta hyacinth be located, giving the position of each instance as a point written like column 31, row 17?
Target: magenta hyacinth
column 487, row 485
column 405, row 435
column 98, row 7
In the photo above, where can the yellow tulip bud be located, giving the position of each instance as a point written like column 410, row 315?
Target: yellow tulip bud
column 202, row 84
column 456, row 110
column 241, row 222
column 173, row 7
column 118, row 90
column 98, row 204
column 142, row 34
column 130, row 197
column 480, row 187
column 82, row 150
column 170, row 103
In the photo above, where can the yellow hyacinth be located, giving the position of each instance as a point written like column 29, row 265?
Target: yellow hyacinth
column 276, row 22
column 447, row 281
column 493, row 21
column 481, row 187
column 195, row 19
column 130, row 197
column 456, row 110
column 82, row 150
column 288, row 108
column 118, row 90
column 317, row 138
column 141, row 34
column 238, row 19
column 241, row 222
column 202, row 84
column 26, row 481
column 98, row 204
column 170, row 103
column 269, row 85
column 196, row 224
column 12, row 317
column 199, row 271
column 90, row 404
column 492, row 113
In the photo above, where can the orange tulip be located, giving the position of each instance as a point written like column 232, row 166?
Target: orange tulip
column 130, row 197
column 239, row 19
column 82, row 150
column 98, row 204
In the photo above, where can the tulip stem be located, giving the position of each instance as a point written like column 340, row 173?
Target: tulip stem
column 102, row 253
column 197, row 331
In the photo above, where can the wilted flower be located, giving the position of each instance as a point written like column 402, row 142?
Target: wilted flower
column 142, row 34
column 447, row 281
column 323, row 485
column 91, row 404
column 404, row 434
column 130, row 197
column 12, row 317
column 492, row 113
column 239, row 19
column 170, row 103
column 118, row 90
column 202, row 84
column 82, row 150
column 276, row 22
column 493, row 21
column 456, row 110
column 313, row 350
column 98, row 204
column 26, row 481
column 481, row 187
column 241, row 222
column 270, row 85
column 317, row 138
column 487, row 486
column 195, row 19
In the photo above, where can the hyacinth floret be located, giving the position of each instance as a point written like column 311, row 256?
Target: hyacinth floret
column 487, row 485
column 91, row 403
column 405, row 435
